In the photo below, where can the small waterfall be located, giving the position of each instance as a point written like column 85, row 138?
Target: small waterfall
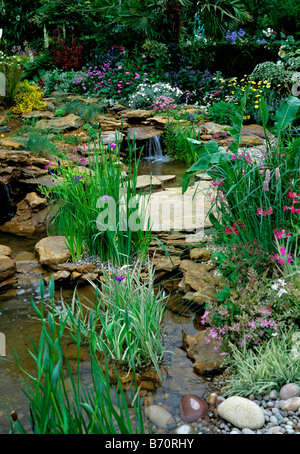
column 154, row 151
column 7, row 203
column 9, row 194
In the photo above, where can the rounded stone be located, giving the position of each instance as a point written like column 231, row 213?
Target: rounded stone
column 4, row 250
column 159, row 416
column 291, row 404
column 184, row 429
column 192, row 408
column 242, row 413
column 289, row 390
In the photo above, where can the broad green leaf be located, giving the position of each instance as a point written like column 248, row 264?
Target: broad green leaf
column 286, row 114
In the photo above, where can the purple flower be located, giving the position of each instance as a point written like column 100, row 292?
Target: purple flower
column 105, row 197
column 119, row 278
column 76, row 179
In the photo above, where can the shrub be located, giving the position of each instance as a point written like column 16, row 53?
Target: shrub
column 251, row 315
column 66, row 56
column 240, row 258
column 28, row 98
column 58, row 80
column 147, row 94
column 221, row 112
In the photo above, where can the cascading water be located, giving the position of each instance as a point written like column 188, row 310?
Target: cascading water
column 153, row 150
column 7, row 204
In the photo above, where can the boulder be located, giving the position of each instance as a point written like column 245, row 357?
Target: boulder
column 7, row 267
column 58, row 125
column 10, row 143
column 199, row 254
column 206, row 359
column 30, row 218
column 135, row 116
column 52, row 250
column 5, row 250
column 242, row 413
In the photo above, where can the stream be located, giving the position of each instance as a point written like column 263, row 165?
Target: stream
column 18, row 323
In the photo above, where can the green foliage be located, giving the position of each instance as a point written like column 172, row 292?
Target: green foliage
column 58, row 400
column 128, row 319
column 38, row 144
column 258, row 198
column 240, row 258
column 252, row 313
column 98, row 207
column 221, row 112
column 175, row 138
column 58, row 80
column 268, row 366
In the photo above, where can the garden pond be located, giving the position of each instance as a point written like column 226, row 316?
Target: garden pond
column 19, row 324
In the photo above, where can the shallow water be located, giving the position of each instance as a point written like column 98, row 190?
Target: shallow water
column 19, row 323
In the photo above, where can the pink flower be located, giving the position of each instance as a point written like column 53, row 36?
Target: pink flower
column 292, row 194
column 282, row 251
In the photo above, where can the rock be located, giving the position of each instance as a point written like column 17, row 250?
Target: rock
column 29, row 267
column 214, row 129
column 254, row 129
column 159, row 416
column 38, row 114
column 146, row 182
column 250, row 140
column 192, row 408
column 10, row 142
column 211, row 398
column 135, row 116
column 203, row 296
column 199, row 254
column 53, row 250
column 291, row 404
column 242, row 413
column 35, row 202
column 143, row 132
column 58, row 125
column 165, row 263
column 31, row 217
column 197, row 276
column 206, row 359
column 5, row 250
column 184, row 429
column 289, row 390
column 5, row 285
column 7, row 267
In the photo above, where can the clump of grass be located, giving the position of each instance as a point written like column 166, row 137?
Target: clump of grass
column 54, row 407
column 266, row 367
column 39, row 144
column 127, row 313
column 99, row 206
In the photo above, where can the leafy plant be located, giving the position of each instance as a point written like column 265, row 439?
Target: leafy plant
column 221, row 112
column 28, row 98
column 99, row 206
column 127, row 313
column 54, row 407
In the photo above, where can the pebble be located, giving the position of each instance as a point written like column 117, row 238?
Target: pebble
column 277, row 421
